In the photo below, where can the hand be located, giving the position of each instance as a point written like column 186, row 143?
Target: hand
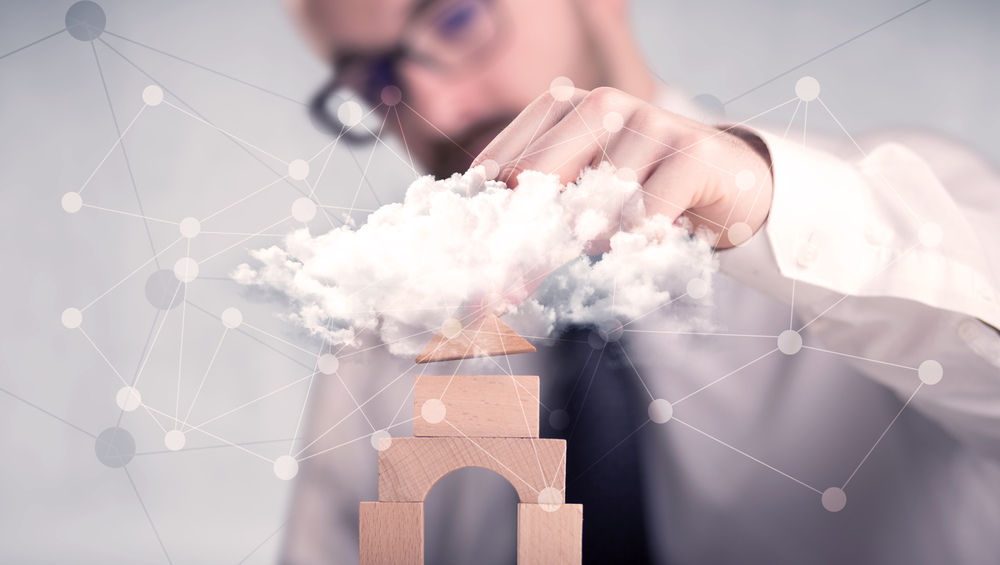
column 684, row 167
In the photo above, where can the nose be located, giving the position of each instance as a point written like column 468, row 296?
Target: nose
column 451, row 104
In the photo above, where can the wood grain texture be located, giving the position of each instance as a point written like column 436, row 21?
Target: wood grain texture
column 392, row 532
column 410, row 467
column 479, row 406
column 482, row 337
column 549, row 538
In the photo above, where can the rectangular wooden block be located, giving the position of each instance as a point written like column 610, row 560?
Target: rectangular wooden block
column 392, row 532
column 478, row 406
column 410, row 466
column 549, row 538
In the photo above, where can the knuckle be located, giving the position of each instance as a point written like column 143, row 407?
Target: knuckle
column 684, row 137
column 602, row 100
column 604, row 97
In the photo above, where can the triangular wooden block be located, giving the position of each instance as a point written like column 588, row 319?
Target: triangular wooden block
column 483, row 337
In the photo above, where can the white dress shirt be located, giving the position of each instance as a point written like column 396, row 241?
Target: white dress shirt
column 737, row 475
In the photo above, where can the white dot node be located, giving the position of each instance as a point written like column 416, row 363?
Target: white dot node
column 298, row 169
column 626, row 174
column 807, row 89
column 969, row 330
column 175, row 440
column 492, row 169
column 349, row 113
column 303, row 209
column 697, row 288
column 433, row 411
column 745, row 179
column 596, row 341
column 834, row 499
column 930, row 372
column 190, row 227
column 128, row 398
column 559, row 419
column 286, row 467
column 391, row 95
column 328, row 363
column 739, row 234
column 807, row 254
column 611, row 330
column 930, row 234
column 72, row 202
column 381, row 440
column 451, row 328
column 562, row 89
column 152, row 95
column 72, row 318
column 494, row 304
column 660, row 411
column 613, row 122
column 713, row 108
column 789, row 342
column 232, row 318
column 550, row 499
column 186, row 269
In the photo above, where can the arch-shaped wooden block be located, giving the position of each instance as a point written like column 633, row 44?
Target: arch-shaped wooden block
column 410, row 466
column 393, row 532
column 548, row 538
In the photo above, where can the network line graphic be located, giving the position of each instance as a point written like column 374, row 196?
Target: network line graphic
column 171, row 398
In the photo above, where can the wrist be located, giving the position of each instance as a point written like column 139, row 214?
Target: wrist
column 742, row 201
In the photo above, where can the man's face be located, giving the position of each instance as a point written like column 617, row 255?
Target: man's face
column 456, row 114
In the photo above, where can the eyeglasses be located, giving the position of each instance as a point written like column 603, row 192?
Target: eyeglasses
column 448, row 37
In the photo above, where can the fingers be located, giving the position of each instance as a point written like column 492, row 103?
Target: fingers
column 656, row 191
column 681, row 165
column 540, row 116
column 575, row 140
column 563, row 138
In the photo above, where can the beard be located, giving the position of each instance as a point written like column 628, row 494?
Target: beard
column 447, row 157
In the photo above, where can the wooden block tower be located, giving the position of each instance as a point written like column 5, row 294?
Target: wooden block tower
column 486, row 421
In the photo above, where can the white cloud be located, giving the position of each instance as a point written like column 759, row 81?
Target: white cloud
column 412, row 264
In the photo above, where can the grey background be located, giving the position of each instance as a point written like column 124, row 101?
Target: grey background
column 932, row 67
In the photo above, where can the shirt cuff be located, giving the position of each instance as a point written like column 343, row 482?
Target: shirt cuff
column 884, row 226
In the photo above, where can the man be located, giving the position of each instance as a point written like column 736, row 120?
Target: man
column 888, row 261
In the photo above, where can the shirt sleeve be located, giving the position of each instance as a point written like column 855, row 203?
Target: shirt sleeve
column 889, row 260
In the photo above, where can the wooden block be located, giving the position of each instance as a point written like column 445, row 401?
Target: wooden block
column 410, row 467
column 549, row 538
column 478, row 406
column 484, row 336
column 392, row 532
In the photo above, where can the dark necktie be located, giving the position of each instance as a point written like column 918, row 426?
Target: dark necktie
column 598, row 389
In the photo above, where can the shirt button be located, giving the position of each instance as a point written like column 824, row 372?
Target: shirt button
column 969, row 330
column 807, row 254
